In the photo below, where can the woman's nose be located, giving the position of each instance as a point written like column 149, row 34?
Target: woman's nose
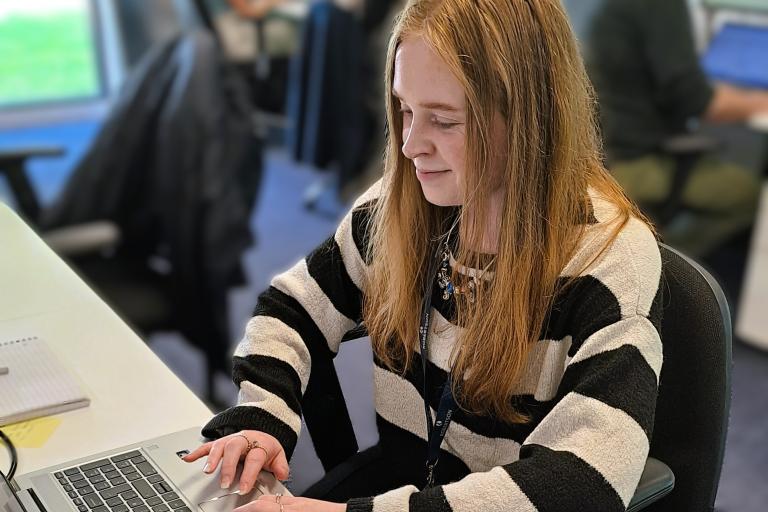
column 415, row 142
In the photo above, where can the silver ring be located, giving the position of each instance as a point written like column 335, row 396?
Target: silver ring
column 277, row 500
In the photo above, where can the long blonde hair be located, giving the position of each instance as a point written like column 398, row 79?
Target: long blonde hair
column 517, row 58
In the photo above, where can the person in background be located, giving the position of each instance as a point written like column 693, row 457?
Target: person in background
column 650, row 87
column 503, row 276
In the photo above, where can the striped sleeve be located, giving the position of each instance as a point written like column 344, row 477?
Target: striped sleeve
column 589, row 451
column 305, row 312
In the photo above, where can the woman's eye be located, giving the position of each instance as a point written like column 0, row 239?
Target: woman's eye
column 444, row 125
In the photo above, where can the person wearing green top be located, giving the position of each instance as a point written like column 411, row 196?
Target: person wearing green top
column 650, row 86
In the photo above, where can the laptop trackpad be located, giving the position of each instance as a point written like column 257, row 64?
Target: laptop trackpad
column 228, row 502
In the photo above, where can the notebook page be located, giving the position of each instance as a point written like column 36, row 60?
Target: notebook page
column 37, row 383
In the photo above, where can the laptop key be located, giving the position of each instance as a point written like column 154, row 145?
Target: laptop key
column 72, row 494
column 138, row 459
column 106, row 468
column 144, row 489
column 128, row 494
column 170, row 496
column 176, row 504
column 161, row 508
column 133, row 476
column 85, row 490
column 117, row 480
column 82, row 508
column 58, row 475
column 141, row 508
column 134, row 502
column 76, row 477
column 146, row 468
column 155, row 500
column 126, row 456
column 114, row 491
column 112, row 474
column 93, row 465
column 71, row 471
column 77, row 501
column 120, row 508
column 67, row 487
column 100, row 486
column 114, row 501
column 129, row 469
column 93, row 500
column 123, row 464
column 81, row 483
column 100, row 509
column 153, row 479
column 96, row 479
column 91, row 473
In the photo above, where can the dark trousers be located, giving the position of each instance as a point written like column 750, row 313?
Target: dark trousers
column 367, row 473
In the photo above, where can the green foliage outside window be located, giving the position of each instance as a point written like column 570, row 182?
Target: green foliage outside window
column 47, row 56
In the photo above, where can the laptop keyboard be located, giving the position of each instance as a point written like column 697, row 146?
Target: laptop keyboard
column 119, row 484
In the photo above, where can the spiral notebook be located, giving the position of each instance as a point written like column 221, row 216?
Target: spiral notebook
column 37, row 383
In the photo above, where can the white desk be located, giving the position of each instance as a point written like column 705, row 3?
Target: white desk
column 134, row 396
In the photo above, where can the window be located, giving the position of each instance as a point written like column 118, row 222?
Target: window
column 49, row 52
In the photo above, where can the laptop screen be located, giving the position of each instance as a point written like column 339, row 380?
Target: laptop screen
column 9, row 502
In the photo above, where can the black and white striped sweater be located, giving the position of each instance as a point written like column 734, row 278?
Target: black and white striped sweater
column 590, row 386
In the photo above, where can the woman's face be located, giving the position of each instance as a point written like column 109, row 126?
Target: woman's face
column 433, row 110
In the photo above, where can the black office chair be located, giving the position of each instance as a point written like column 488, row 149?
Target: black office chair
column 695, row 388
column 691, row 414
column 155, row 216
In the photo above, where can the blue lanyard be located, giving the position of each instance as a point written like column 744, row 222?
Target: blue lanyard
column 435, row 431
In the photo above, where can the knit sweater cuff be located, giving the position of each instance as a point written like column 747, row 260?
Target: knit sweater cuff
column 240, row 418
column 360, row 505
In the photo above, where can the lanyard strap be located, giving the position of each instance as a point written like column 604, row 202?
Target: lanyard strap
column 435, row 432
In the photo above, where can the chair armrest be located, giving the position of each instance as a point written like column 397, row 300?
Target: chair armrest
column 91, row 237
column 656, row 482
column 21, row 153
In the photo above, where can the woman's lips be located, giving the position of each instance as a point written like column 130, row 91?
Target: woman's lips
column 428, row 173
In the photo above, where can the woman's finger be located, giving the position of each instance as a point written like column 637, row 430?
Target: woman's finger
column 198, row 452
column 234, row 446
column 279, row 465
column 254, row 461
column 214, row 455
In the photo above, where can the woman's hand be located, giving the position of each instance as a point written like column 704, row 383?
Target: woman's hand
column 272, row 503
column 260, row 451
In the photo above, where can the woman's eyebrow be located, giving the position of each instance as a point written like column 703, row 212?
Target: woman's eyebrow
column 431, row 105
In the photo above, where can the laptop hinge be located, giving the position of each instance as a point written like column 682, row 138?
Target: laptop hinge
column 31, row 501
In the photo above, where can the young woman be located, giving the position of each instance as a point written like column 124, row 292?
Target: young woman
column 539, row 280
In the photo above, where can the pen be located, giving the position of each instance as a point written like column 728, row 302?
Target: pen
column 3, row 370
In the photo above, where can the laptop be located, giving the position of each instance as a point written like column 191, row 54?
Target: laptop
column 143, row 477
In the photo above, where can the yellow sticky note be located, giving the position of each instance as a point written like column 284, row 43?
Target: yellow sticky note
column 32, row 433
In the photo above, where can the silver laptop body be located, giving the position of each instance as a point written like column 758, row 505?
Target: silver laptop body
column 143, row 477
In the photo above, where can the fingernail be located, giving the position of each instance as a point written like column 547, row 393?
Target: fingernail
column 225, row 484
column 205, row 468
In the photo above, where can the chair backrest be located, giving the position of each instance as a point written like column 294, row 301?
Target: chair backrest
column 695, row 386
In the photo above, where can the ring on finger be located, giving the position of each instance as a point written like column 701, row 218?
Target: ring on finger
column 252, row 445
column 278, row 496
